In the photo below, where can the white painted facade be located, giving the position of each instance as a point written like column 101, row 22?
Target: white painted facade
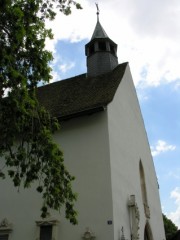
column 103, row 151
column 128, row 145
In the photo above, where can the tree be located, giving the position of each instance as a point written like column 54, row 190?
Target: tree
column 169, row 227
column 26, row 144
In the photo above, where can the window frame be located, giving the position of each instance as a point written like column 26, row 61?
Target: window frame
column 47, row 222
column 5, row 228
column 4, row 234
column 144, row 190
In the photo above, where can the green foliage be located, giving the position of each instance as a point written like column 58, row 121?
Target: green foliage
column 26, row 128
column 169, row 227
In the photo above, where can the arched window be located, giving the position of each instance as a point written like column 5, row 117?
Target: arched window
column 147, row 232
column 143, row 183
column 143, row 190
column 146, row 236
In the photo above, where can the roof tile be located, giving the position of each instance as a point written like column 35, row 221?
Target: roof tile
column 79, row 94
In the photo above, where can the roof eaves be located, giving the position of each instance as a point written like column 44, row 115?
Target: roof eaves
column 86, row 112
column 81, row 95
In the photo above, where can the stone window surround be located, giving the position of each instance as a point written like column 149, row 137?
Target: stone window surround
column 5, row 228
column 47, row 222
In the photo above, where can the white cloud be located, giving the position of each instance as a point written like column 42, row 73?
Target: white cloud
column 142, row 96
column 175, row 216
column 60, row 66
column 161, row 147
column 175, row 174
column 177, row 86
column 66, row 67
column 55, row 76
column 147, row 34
column 72, row 28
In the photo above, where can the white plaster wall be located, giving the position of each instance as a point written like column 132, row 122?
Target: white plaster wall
column 129, row 144
column 86, row 151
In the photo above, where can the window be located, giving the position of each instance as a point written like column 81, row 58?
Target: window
column 102, row 46
column 146, row 236
column 5, row 229
column 91, row 49
column 47, row 229
column 46, row 232
column 143, row 190
column 143, row 184
column 147, row 232
column 4, row 237
column 112, row 49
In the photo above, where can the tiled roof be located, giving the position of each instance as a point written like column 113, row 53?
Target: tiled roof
column 99, row 32
column 67, row 98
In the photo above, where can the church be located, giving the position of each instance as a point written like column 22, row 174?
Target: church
column 105, row 147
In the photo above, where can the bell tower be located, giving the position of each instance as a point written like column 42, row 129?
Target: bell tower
column 101, row 51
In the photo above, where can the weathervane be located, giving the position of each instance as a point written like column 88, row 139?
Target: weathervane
column 97, row 11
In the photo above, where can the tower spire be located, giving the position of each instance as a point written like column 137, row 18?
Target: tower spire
column 97, row 11
column 100, row 51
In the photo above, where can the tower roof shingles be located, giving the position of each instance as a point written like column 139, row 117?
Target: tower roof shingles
column 99, row 32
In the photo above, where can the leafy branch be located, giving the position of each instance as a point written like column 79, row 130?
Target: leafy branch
column 26, row 142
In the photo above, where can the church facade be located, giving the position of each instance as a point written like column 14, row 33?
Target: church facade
column 105, row 146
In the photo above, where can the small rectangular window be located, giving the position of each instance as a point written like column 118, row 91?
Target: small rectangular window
column 45, row 232
column 47, row 229
column 4, row 237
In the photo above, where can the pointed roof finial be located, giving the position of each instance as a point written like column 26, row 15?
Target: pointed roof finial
column 98, row 31
column 97, row 11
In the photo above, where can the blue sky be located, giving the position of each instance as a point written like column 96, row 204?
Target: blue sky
column 148, row 36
